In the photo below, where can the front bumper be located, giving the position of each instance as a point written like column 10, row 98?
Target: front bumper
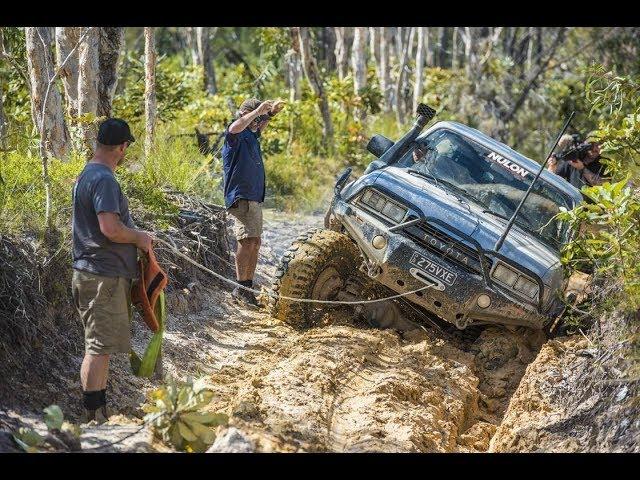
column 454, row 294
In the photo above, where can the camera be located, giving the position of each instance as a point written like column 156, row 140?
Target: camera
column 577, row 151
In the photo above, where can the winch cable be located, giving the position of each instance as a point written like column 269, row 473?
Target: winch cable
column 173, row 249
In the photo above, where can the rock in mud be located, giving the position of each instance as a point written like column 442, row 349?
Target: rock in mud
column 232, row 440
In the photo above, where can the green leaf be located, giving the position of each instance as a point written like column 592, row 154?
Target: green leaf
column 28, row 439
column 186, row 432
column 205, row 418
column 205, row 434
column 53, row 417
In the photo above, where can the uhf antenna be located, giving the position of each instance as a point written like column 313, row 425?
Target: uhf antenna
column 526, row 195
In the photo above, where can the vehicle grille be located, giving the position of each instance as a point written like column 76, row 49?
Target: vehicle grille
column 445, row 246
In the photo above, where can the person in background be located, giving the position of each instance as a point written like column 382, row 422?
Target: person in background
column 105, row 256
column 579, row 170
column 244, row 187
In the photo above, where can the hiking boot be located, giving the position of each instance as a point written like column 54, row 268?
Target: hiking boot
column 245, row 297
column 100, row 415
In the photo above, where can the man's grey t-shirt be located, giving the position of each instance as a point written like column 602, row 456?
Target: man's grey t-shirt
column 97, row 190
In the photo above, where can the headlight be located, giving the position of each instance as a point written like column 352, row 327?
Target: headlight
column 505, row 275
column 515, row 280
column 526, row 286
column 383, row 205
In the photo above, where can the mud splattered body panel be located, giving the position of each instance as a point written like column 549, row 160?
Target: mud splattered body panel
column 446, row 241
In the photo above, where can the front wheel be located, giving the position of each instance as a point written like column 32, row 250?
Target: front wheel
column 319, row 265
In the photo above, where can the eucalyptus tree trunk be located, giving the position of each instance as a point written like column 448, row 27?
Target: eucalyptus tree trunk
column 530, row 41
column 88, row 84
column 400, row 81
column 384, row 73
column 294, row 67
column 203, row 36
column 3, row 122
column 51, row 127
column 359, row 63
column 398, row 42
column 417, row 89
column 66, row 39
column 192, row 43
column 538, row 48
column 443, row 45
column 330, row 47
column 428, row 47
column 310, row 67
column 343, row 35
column 469, row 43
column 111, row 44
column 149, row 89
column 46, row 106
column 454, row 48
column 407, row 92
column 374, row 47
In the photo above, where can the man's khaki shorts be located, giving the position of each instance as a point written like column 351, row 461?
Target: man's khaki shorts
column 104, row 305
column 247, row 217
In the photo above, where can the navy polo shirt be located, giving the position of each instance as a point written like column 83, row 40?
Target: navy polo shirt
column 243, row 169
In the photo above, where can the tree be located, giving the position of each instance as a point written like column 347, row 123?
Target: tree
column 428, row 47
column 417, row 90
column 66, row 39
column 343, row 37
column 454, row 48
column 51, row 125
column 401, row 74
column 3, row 122
column 359, row 63
column 294, row 67
column 384, row 72
column 149, row 89
column 443, row 46
column 203, row 39
column 111, row 44
column 310, row 67
column 88, row 79
column 374, row 48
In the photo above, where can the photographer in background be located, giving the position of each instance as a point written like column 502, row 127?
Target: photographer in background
column 578, row 162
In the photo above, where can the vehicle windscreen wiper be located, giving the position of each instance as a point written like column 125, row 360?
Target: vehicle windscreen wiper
column 438, row 180
column 422, row 174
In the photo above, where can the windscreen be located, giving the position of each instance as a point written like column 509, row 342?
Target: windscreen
column 490, row 180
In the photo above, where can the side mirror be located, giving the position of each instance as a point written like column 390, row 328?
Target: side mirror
column 379, row 144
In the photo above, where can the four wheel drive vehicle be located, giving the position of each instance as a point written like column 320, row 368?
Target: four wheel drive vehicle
column 430, row 211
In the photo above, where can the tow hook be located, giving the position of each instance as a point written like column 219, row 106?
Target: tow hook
column 371, row 268
column 462, row 323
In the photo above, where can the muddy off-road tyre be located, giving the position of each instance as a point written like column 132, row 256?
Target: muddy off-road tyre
column 320, row 264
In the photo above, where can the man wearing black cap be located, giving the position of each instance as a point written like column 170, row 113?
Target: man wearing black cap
column 104, row 262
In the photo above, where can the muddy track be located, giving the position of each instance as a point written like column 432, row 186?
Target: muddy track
column 346, row 387
column 341, row 387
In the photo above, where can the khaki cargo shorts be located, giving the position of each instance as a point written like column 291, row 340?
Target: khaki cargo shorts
column 104, row 305
column 247, row 217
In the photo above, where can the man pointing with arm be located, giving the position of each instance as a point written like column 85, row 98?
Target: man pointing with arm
column 244, row 186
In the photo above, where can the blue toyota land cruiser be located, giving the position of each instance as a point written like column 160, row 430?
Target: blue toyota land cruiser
column 429, row 212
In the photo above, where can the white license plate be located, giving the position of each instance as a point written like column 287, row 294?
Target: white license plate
column 433, row 269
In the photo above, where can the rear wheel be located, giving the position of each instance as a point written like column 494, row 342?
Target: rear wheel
column 320, row 265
